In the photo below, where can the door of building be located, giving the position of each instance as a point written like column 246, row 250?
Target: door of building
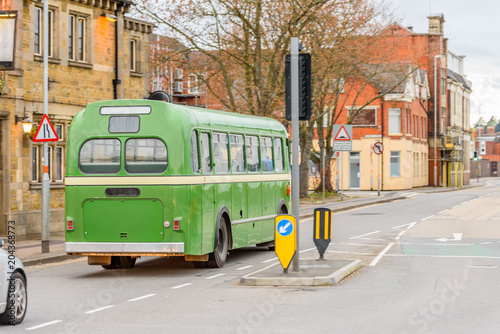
column 354, row 171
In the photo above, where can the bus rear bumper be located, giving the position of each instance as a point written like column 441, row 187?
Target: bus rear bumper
column 121, row 248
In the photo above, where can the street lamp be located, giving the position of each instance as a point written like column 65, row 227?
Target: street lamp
column 435, row 119
column 26, row 122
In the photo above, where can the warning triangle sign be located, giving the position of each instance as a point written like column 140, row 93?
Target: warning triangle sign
column 45, row 131
column 342, row 134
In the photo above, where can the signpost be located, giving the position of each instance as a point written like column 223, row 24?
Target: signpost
column 322, row 233
column 342, row 142
column 378, row 148
column 45, row 133
column 285, row 238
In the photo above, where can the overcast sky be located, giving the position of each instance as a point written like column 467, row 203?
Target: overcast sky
column 473, row 29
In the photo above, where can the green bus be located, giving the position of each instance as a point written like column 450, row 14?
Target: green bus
column 151, row 178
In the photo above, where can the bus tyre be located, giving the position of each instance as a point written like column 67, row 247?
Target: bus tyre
column 17, row 301
column 218, row 257
column 121, row 262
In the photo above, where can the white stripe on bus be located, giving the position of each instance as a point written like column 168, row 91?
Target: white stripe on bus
column 171, row 180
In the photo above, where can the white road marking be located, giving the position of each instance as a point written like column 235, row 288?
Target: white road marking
column 353, row 244
column 379, row 256
column 307, row 250
column 143, row 297
column 464, row 202
column 273, row 259
column 400, row 226
column 486, row 243
column 339, row 252
column 364, row 235
column 435, row 244
column 456, row 206
column 181, row 286
column 457, row 236
column 443, row 211
column 483, row 267
column 401, row 233
column 245, row 267
column 99, row 309
column 427, row 218
column 447, row 256
column 411, row 225
column 214, row 276
column 43, row 325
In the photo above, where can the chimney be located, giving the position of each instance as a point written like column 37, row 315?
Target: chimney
column 436, row 24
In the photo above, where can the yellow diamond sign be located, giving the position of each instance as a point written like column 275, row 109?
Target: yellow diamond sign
column 285, row 238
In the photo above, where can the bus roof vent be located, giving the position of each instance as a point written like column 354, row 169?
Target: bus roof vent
column 160, row 95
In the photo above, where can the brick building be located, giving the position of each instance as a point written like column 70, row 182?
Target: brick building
column 436, row 101
column 486, row 143
column 398, row 120
column 95, row 53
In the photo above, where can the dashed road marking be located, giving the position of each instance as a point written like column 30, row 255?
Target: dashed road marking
column 142, row 297
column 99, row 309
column 307, row 250
column 245, row 267
column 363, row 235
column 43, row 325
column 181, row 286
column 443, row 211
column 273, row 259
column 214, row 276
column 427, row 218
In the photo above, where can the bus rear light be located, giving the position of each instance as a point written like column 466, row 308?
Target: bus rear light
column 287, row 190
column 176, row 224
column 70, row 225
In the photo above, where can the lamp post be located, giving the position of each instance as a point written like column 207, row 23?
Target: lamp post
column 435, row 119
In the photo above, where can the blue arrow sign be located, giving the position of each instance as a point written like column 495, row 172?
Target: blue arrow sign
column 284, row 227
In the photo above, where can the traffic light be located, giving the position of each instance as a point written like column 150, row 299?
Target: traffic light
column 304, row 87
column 475, row 156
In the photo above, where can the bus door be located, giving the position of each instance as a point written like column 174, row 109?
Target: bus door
column 207, row 199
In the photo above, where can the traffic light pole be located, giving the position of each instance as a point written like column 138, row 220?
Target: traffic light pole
column 294, row 64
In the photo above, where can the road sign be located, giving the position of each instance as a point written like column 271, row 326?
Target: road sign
column 285, row 239
column 378, row 148
column 322, row 233
column 45, row 131
column 343, row 137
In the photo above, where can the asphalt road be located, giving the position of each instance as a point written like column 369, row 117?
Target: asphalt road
column 431, row 266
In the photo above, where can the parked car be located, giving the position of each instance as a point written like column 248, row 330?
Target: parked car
column 13, row 287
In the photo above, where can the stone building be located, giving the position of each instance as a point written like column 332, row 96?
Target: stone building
column 95, row 53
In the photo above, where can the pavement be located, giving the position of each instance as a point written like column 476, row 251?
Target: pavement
column 30, row 251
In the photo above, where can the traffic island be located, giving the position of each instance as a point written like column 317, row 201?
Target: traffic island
column 312, row 272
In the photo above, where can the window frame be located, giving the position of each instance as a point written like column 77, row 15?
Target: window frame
column 242, row 162
column 74, row 43
column 101, row 173
column 398, row 156
column 391, row 131
column 154, row 150
column 38, row 32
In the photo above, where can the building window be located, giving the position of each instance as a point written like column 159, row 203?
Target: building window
column 192, row 84
column 395, row 164
column 38, row 31
column 394, row 120
column 34, row 163
column 483, row 147
column 133, row 55
column 76, row 38
column 59, row 164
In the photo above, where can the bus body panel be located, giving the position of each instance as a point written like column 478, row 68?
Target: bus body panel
column 178, row 194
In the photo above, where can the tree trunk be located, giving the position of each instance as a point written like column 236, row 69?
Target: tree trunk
column 306, row 138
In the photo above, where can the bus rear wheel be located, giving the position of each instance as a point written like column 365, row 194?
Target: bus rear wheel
column 121, row 262
column 219, row 256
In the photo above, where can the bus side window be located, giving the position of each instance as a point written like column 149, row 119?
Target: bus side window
column 266, row 148
column 278, row 155
column 252, row 150
column 221, row 152
column 206, row 156
column 195, row 153
column 237, row 159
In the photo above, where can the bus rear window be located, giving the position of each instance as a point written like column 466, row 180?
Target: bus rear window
column 145, row 156
column 100, row 156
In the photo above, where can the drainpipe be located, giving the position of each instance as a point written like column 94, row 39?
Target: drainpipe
column 382, row 162
column 116, row 80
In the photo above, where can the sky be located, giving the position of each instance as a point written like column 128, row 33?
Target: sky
column 473, row 29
